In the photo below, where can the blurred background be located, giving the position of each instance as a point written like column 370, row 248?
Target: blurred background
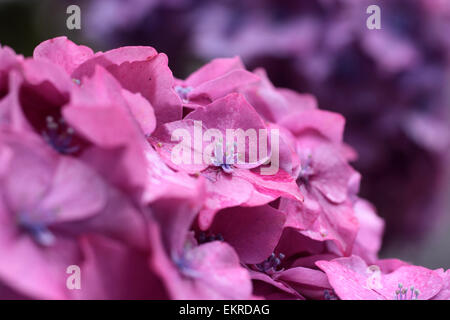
column 392, row 84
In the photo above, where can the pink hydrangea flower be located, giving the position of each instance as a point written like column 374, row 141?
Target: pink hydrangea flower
column 192, row 270
column 47, row 202
column 227, row 185
column 324, row 178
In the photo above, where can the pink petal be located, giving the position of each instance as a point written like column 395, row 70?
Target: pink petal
column 76, row 192
column 270, row 289
column 304, row 276
column 328, row 124
column 214, row 69
column 252, row 232
column 140, row 70
column 18, row 251
column 62, row 52
column 428, row 282
column 347, row 278
column 368, row 240
column 274, row 104
column 331, row 173
column 216, row 88
column 141, row 110
column 111, row 270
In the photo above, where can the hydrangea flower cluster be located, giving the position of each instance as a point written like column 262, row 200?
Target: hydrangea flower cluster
column 390, row 84
column 86, row 179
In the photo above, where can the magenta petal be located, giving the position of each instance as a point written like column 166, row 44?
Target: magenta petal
column 274, row 104
column 220, row 270
column 8, row 59
column 28, row 173
column 390, row 265
column 351, row 278
column 428, row 282
column 300, row 215
column 223, row 192
column 175, row 217
column 332, row 173
column 100, row 113
column 165, row 145
column 162, row 182
column 371, row 226
column 329, row 124
column 47, row 74
column 62, row 52
column 244, row 187
column 444, row 294
column 11, row 113
column 337, row 223
column 6, row 293
column 271, row 289
column 253, row 232
column 216, row 68
column 280, row 184
column 111, row 270
column 346, row 276
column 119, row 219
column 292, row 244
column 304, row 276
column 209, row 271
column 230, row 112
column 142, row 111
column 47, row 278
column 310, row 261
column 219, row 87
column 76, row 192
column 99, row 125
column 140, row 70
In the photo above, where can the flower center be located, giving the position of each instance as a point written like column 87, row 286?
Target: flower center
column 221, row 160
column 202, row 237
column 59, row 136
column 306, row 171
column 402, row 293
column 183, row 92
column 271, row 264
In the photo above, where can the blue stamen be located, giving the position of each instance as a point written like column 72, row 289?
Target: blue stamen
column 271, row 264
column 38, row 230
column 184, row 266
column 402, row 293
column 183, row 92
column 225, row 162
